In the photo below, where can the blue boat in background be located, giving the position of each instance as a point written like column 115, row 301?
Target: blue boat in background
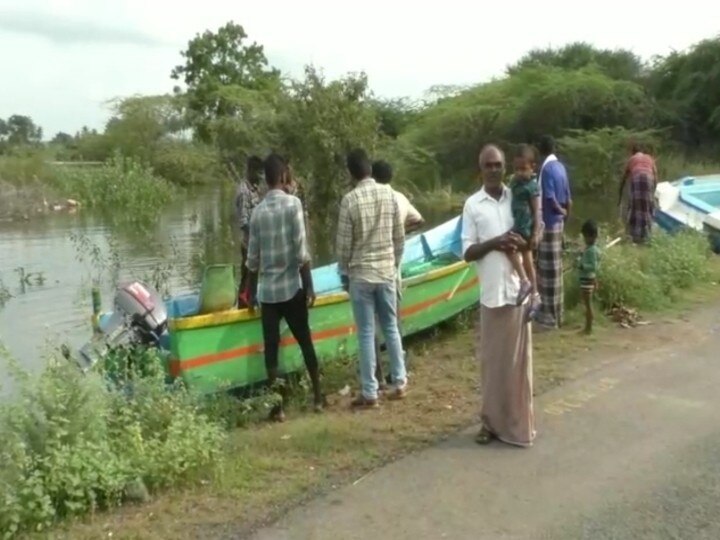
column 690, row 202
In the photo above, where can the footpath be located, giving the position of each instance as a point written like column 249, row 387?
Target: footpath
column 629, row 450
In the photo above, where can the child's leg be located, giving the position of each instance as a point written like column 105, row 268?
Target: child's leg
column 517, row 262
column 589, row 315
column 525, row 285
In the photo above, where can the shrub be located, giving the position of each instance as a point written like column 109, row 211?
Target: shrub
column 648, row 277
column 74, row 443
column 119, row 183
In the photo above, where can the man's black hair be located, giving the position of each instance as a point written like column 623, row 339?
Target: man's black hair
column 358, row 163
column 254, row 163
column 382, row 171
column 547, row 145
column 274, row 168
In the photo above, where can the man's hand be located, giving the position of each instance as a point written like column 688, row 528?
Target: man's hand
column 310, row 297
column 510, row 242
column 345, row 281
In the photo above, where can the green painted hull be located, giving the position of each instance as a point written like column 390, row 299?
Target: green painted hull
column 212, row 353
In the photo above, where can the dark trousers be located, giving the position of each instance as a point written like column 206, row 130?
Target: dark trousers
column 295, row 313
column 242, row 288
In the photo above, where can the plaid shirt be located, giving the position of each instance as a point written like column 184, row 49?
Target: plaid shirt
column 370, row 235
column 246, row 198
column 278, row 246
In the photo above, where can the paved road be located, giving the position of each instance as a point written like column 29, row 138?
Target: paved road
column 629, row 451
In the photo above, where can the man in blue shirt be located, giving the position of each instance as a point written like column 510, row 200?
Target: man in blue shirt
column 556, row 202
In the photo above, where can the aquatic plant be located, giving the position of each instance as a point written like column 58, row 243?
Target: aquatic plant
column 5, row 294
column 123, row 187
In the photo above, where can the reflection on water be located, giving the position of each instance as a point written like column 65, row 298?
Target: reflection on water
column 194, row 231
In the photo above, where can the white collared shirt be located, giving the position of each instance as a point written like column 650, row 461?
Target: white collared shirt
column 485, row 218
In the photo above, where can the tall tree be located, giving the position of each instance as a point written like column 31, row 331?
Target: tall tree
column 215, row 61
column 321, row 121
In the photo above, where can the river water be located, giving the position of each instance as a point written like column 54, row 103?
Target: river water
column 42, row 265
column 42, row 268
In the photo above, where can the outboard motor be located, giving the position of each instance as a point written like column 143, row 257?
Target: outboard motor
column 139, row 317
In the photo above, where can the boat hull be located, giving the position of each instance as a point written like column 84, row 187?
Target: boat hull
column 225, row 350
column 691, row 202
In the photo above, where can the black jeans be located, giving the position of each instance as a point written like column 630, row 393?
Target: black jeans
column 295, row 313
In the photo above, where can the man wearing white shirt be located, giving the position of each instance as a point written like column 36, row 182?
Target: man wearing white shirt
column 505, row 340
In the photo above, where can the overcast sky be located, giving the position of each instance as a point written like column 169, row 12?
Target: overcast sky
column 61, row 60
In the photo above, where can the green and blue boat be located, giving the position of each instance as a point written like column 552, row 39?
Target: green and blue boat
column 224, row 350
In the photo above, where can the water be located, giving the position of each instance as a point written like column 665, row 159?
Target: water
column 54, row 305
column 193, row 231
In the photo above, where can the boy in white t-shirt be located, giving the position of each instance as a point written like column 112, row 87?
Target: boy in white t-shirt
column 412, row 219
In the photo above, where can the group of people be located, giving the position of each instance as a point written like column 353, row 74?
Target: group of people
column 512, row 230
column 371, row 229
column 504, row 225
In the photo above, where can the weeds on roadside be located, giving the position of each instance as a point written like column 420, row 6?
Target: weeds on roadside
column 74, row 443
column 647, row 277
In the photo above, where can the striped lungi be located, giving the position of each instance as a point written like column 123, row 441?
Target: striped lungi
column 641, row 208
column 550, row 276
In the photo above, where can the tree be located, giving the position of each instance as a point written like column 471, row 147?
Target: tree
column 62, row 138
column 217, row 60
column 617, row 64
column 21, row 130
column 320, row 123
column 140, row 122
column 519, row 108
column 394, row 115
column 686, row 86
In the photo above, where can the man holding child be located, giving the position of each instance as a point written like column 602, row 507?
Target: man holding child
column 504, row 337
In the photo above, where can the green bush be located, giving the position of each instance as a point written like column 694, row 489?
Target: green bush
column 647, row 277
column 73, row 443
column 121, row 183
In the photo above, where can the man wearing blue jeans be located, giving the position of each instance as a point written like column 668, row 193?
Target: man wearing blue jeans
column 370, row 242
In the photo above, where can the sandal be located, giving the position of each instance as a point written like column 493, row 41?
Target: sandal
column 485, row 436
column 361, row 402
column 277, row 414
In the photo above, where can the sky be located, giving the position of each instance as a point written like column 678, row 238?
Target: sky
column 61, row 61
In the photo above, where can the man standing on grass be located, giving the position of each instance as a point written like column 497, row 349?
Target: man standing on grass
column 556, row 203
column 280, row 277
column 504, row 338
column 412, row 220
column 370, row 242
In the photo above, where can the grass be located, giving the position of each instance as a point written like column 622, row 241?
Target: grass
column 270, row 468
